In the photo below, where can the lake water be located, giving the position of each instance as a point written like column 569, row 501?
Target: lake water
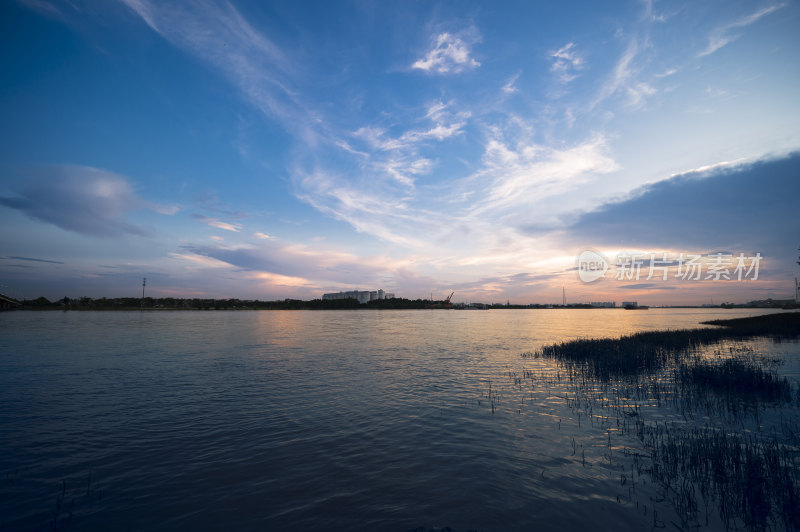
column 293, row 420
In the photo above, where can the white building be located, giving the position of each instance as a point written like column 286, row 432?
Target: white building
column 362, row 296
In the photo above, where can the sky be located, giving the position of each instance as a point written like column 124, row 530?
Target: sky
column 270, row 150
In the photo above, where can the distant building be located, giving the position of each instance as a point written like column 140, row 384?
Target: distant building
column 604, row 304
column 630, row 304
column 362, row 296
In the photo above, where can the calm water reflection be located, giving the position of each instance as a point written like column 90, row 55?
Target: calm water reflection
column 351, row 420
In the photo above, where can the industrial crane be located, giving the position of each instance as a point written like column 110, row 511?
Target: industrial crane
column 440, row 304
column 447, row 303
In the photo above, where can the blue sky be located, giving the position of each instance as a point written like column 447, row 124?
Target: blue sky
column 285, row 149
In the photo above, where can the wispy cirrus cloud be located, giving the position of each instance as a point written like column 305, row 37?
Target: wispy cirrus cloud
column 265, row 74
column 44, row 7
column 510, row 86
column 399, row 157
column 566, row 63
column 445, row 124
column 519, row 173
column 370, row 208
column 666, row 73
column 481, row 211
column 217, row 223
column 32, row 259
column 218, row 34
column 450, row 53
column 224, row 225
column 623, row 80
column 195, row 260
column 723, row 35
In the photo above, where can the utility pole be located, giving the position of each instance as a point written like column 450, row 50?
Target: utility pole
column 144, row 282
column 796, row 284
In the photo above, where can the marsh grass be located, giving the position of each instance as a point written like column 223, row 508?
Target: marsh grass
column 718, row 428
column 650, row 351
column 752, row 480
column 737, row 380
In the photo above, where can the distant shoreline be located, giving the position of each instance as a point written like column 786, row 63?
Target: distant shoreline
column 125, row 304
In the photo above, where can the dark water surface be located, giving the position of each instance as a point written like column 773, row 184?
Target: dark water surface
column 284, row 420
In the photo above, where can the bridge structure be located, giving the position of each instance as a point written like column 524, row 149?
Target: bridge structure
column 8, row 303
